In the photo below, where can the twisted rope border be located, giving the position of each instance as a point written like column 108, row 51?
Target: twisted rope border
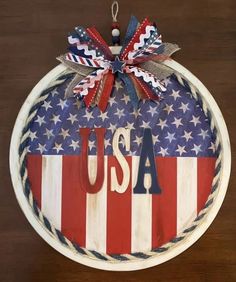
column 92, row 254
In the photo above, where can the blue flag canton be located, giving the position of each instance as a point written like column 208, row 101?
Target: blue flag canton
column 178, row 124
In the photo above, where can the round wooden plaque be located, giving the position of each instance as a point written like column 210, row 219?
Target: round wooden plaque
column 126, row 189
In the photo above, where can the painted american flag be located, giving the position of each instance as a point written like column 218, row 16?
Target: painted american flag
column 108, row 221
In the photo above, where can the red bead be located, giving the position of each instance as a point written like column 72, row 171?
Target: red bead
column 115, row 25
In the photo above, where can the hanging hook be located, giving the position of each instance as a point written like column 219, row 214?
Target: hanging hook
column 114, row 10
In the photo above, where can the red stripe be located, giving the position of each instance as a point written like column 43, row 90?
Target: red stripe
column 73, row 218
column 69, row 56
column 81, row 60
column 164, row 205
column 205, row 175
column 118, row 212
column 96, row 63
column 34, row 166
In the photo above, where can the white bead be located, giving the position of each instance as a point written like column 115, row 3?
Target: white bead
column 115, row 32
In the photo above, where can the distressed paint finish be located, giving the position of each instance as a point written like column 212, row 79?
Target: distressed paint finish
column 96, row 211
column 51, row 188
column 186, row 192
column 141, row 214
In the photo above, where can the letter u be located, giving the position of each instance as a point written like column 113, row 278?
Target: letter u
column 83, row 172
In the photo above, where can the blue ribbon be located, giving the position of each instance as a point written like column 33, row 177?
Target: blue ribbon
column 129, row 88
column 133, row 24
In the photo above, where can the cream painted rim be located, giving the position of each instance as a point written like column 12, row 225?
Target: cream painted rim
column 126, row 265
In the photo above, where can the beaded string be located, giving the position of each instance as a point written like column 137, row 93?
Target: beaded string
column 115, row 27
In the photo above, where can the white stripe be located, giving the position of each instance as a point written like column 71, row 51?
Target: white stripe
column 96, row 210
column 186, row 192
column 141, row 230
column 52, row 188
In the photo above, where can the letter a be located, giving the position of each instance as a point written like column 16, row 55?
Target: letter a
column 83, row 173
column 147, row 156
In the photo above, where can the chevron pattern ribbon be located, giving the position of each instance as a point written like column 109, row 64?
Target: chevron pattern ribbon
column 90, row 56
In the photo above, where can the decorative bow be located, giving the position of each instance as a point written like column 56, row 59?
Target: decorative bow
column 139, row 64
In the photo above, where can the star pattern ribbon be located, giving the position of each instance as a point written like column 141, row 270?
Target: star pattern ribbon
column 139, row 64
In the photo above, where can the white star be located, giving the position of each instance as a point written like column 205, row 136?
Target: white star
column 103, row 116
column 122, row 141
column 195, row 120
column 118, row 85
column 170, row 137
column 77, row 103
column 112, row 127
column 120, row 113
column 180, row 150
column 136, row 112
column 58, row 147
column 91, row 145
column 112, row 101
column 47, row 105
column 54, row 92
column 132, row 153
column 166, row 81
column 32, row 135
column 177, row 122
column 152, row 110
column 40, row 120
column 196, row 148
column 155, row 139
column 145, row 124
column 138, row 140
column 184, row 107
column 56, row 119
column 126, row 99
column 107, row 143
column 72, row 118
column 162, row 123
column 212, row 147
column 64, row 133
column 88, row 115
column 175, row 94
column 203, row 134
column 187, row 135
column 62, row 104
column 130, row 125
column 74, row 144
column 49, row 133
column 28, row 149
column 168, row 108
column 41, row 148
column 163, row 152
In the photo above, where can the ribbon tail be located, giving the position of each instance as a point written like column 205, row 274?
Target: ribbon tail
column 165, row 50
column 69, row 89
column 81, row 43
column 130, row 88
column 89, row 98
column 100, row 42
column 132, row 27
column 80, row 69
column 106, row 91
column 138, row 40
column 159, row 70
column 147, row 92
